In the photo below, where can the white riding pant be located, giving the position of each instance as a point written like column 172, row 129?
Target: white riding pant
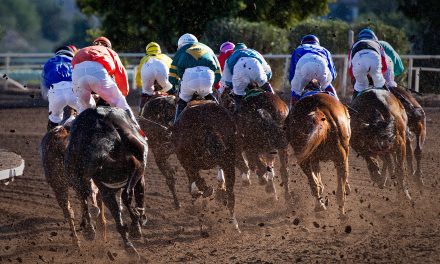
column 364, row 63
column 198, row 80
column 90, row 76
column 309, row 67
column 389, row 73
column 154, row 70
column 59, row 96
column 246, row 71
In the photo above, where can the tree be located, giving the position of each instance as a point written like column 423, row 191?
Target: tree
column 130, row 24
column 282, row 13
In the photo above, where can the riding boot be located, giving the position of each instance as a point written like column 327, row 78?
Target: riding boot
column 179, row 108
column 211, row 97
column 51, row 125
column 268, row 88
column 355, row 94
column 144, row 99
column 332, row 90
column 238, row 99
column 131, row 115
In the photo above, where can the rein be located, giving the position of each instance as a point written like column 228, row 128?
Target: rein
column 155, row 123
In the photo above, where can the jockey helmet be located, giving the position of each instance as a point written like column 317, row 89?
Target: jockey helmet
column 73, row 49
column 240, row 46
column 186, row 39
column 64, row 50
column 152, row 49
column 102, row 41
column 367, row 33
column 310, row 39
column 226, row 46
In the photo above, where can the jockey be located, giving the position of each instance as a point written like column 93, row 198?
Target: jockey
column 56, row 85
column 311, row 61
column 196, row 65
column 226, row 50
column 154, row 67
column 367, row 58
column 243, row 67
column 98, row 69
column 394, row 64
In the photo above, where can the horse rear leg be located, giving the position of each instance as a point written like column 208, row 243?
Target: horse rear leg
column 197, row 185
column 62, row 197
column 269, row 159
column 230, row 181
column 401, row 169
column 139, row 196
column 109, row 197
column 169, row 173
column 420, row 140
column 282, row 153
column 373, row 168
column 259, row 167
column 242, row 165
column 342, row 171
column 313, row 182
column 409, row 155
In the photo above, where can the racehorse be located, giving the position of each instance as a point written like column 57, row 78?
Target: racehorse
column 261, row 136
column 318, row 129
column 204, row 138
column 52, row 150
column 157, row 116
column 379, row 127
column 417, row 125
column 107, row 147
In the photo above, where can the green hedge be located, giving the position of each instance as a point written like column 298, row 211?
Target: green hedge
column 260, row 36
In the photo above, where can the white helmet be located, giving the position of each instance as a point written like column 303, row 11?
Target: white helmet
column 186, row 39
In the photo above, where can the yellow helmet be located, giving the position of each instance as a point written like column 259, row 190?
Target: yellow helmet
column 152, row 48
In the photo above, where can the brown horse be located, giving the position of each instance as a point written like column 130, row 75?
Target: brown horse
column 52, row 150
column 417, row 125
column 261, row 136
column 318, row 129
column 379, row 126
column 203, row 139
column 107, row 147
column 157, row 116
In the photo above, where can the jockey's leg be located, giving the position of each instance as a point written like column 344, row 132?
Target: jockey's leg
column 332, row 90
column 147, row 86
column 360, row 73
column 181, row 104
column 375, row 69
column 268, row 88
column 56, row 105
column 389, row 74
column 82, row 83
column 211, row 97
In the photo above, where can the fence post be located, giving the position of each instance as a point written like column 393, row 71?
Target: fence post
column 345, row 66
column 7, row 64
column 410, row 72
column 417, row 79
column 286, row 72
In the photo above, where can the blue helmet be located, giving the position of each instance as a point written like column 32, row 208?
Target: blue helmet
column 240, row 45
column 310, row 39
column 367, row 33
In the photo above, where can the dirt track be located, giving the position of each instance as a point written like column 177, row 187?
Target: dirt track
column 383, row 230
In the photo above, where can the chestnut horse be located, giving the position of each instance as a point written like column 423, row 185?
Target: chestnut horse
column 417, row 126
column 52, row 150
column 318, row 129
column 203, row 139
column 261, row 135
column 156, row 117
column 379, row 127
column 107, row 147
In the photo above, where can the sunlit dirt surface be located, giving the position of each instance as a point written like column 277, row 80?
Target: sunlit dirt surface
column 380, row 228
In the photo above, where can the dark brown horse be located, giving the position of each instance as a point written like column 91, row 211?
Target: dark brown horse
column 318, row 129
column 157, row 116
column 52, row 150
column 379, row 127
column 261, row 136
column 203, row 139
column 107, row 147
column 417, row 126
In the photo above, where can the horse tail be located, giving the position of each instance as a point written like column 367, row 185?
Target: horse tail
column 215, row 145
column 316, row 136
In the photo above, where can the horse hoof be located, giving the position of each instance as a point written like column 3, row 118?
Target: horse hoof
column 94, row 212
column 347, row 189
column 320, row 206
column 208, row 192
column 89, row 233
column 270, row 188
column 407, row 195
column 131, row 250
column 246, row 181
column 262, row 180
column 177, row 205
column 135, row 231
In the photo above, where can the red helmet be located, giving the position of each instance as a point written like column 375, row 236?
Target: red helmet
column 73, row 48
column 102, row 41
